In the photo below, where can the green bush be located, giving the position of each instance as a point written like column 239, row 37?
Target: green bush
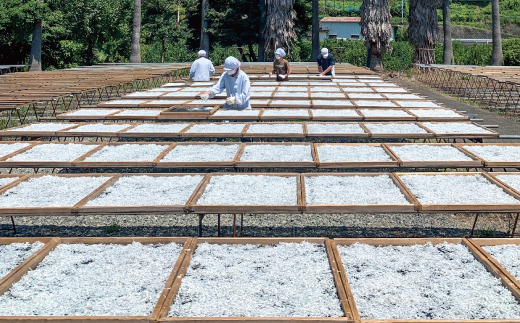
column 511, row 50
column 401, row 57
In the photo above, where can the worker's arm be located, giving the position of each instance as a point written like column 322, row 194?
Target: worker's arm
column 211, row 69
column 217, row 88
column 327, row 70
column 320, row 69
column 245, row 94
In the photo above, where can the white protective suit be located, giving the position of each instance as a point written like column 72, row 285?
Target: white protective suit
column 238, row 86
column 202, row 69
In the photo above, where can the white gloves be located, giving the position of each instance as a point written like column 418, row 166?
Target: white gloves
column 204, row 96
column 231, row 100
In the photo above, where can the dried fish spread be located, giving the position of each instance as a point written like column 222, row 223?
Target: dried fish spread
column 334, row 113
column 508, row 256
column 286, row 113
column 6, row 149
column 327, row 95
column 381, row 103
column 99, row 127
column 134, row 112
column 394, row 128
column 496, row 152
column 246, row 112
column 123, row 102
column 128, row 152
column 403, row 97
column 11, row 255
column 455, row 127
column 153, row 127
column 390, row 90
column 275, row 128
column 353, row 190
column 217, row 128
column 7, row 180
column 425, row 282
column 429, row 153
column 456, row 189
column 338, row 103
column 50, row 191
column 284, row 280
column 148, row 191
column 512, row 180
column 313, row 128
column 53, row 152
column 143, row 94
column 281, row 103
column 114, row 280
column 444, row 113
column 345, row 153
column 355, row 89
column 300, row 95
column 91, row 112
column 201, row 153
column 384, row 113
column 250, row 190
column 417, row 104
column 365, row 96
column 277, row 153
column 51, row 127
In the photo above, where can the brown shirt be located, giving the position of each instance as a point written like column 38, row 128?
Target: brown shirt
column 280, row 66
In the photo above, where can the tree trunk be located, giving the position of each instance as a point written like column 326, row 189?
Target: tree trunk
column 315, row 30
column 241, row 51
column 163, row 49
column 261, row 42
column 251, row 55
column 35, row 60
column 446, row 23
column 135, row 56
column 204, row 36
column 497, row 58
column 376, row 61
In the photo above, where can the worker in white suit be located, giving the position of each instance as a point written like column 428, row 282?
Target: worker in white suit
column 236, row 83
column 202, row 68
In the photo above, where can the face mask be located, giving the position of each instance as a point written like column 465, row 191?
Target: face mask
column 231, row 72
column 326, row 55
column 277, row 56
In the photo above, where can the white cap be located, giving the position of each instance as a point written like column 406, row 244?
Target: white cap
column 231, row 63
column 324, row 51
column 280, row 52
column 202, row 53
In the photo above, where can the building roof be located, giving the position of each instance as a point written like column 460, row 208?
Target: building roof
column 341, row 19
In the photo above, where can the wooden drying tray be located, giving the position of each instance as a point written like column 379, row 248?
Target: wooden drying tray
column 461, row 117
column 251, row 209
column 475, row 162
column 470, row 244
column 201, row 164
column 508, row 280
column 352, row 164
column 247, row 134
column 128, row 133
column 64, row 210
column 344, row 295
column 409, row 117
column 490, row 134
column 458, row 208
column 18, row 132
column 240, row 163
column 359, row 208
column 39, row 256
column 309, row 134
column 380, row 135
column 187, row 134
column 490, row 163
column 186, row 113
column 84, row 209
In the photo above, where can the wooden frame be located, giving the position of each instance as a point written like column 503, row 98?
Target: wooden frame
column 345, row 298
column 350, row 164
column 462, row 117
column 81, row 162
column 488, row 163
column 72, row 132
column 15, row 277
column 246, row 118
column 54, row 210
column 50, row 164
column 127, row 133
column 364, row 134
column 410, row 116
column 475, row 162
column 489, row 207
column 247, row 134
column 17, row 132
column 417, row 135
column 472, row 248
column 186, row 113
column 185, row 132
column 359, row 117
column 359, row 208
column 168, row 164
column 83, row 209
column 239, row 163
column 490, row 134
column 252, row 209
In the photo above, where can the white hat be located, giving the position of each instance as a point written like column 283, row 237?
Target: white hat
column 324, row 51
column 202, row 53
column 231, row 63
column 280, row 52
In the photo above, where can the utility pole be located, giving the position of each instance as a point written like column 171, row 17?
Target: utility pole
column 315, row 30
